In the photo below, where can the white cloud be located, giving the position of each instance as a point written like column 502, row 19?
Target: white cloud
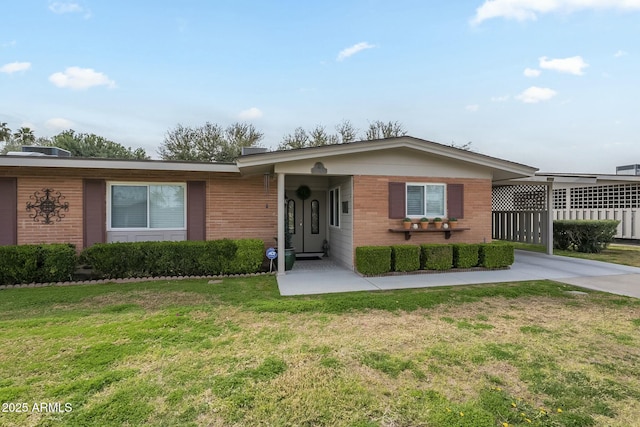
column 523, row 10
column 350, row 51
column 531, row 72
column 472, row 108
column 573, row 65
column 251, row 113
column 14, row 67
column 59, row 123
column 535, row 94
column 620, row 53
column 503, row 98
column 68, row 7
column 80, row 78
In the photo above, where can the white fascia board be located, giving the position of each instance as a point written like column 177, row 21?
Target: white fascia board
column 152, row 165
column 408, row 142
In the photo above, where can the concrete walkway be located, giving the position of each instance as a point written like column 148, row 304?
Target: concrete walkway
column 323, row 276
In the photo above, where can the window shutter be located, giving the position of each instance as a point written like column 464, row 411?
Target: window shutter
column 455, row 201
column 94, row 211
column 9, row 211
column 397, row 200
column 196, row 210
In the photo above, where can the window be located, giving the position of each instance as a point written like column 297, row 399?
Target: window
column 334, row 207
column 147, row 206
column 315, row 217
column 425, row 200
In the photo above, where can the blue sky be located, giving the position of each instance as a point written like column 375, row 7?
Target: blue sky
column 553, row 84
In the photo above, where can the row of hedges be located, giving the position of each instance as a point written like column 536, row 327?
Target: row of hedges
column 36, row 263
column 375, row 260
column 186, row 258
column 584, row 235
column 57, row 262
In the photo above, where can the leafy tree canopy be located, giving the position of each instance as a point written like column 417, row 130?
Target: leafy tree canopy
column 209, row 143
column 92, row 145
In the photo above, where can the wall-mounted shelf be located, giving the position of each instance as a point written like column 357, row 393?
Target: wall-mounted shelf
column 447, row 231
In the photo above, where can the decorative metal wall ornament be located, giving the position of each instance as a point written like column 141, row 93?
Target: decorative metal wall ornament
column 47, row 207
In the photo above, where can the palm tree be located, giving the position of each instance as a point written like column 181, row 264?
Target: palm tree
column 5, row 132
column 24, row 136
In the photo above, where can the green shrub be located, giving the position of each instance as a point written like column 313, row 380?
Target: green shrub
column 372, row 260
column 496, row 256
column 465, row 255
column 248, row 257
column 405, row 257
column 187, row 258
column 36, row 263
column 436, row 257
column 584, row 235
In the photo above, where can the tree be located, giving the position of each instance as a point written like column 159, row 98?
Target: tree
column 299, row 139
column 209, row 143
column 346, row 132
column 466, row 147
column 5, row 132
column 92, row 145
column 24, row 136
column 381, row 130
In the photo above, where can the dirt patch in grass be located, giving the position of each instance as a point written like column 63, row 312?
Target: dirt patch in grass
column 148, row 300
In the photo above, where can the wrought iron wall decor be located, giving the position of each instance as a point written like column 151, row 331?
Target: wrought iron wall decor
column 47, row 207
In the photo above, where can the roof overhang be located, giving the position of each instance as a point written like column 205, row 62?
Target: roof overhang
column 92, row 163
column 501, row 169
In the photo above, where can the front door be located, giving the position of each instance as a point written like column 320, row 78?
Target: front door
column 308, row 216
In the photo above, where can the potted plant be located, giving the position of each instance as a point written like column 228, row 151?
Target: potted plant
column 453, row 222
column 424, row 223
column 437, row 222
column 289, row 251
column 406, row 223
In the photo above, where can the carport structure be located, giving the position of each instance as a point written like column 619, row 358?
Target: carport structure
column 523, row 209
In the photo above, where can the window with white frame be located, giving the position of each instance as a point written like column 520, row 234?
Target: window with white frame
column 334, row 207
column 426, row 200
column 147, row 206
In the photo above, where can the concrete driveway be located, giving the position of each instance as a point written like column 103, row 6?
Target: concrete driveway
column 322, row 276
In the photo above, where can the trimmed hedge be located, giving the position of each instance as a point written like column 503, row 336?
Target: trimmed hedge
column 584, row 235
column 465, row 255
column 376, row 260
column 436, row 257
column 185, row 258
column 496, row 256
column 372, row 260
column 37, row 263
column 405, row 257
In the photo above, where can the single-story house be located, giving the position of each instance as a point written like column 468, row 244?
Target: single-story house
column 332, row 198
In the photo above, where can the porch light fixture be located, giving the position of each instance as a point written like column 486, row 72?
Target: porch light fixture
column 47, row 207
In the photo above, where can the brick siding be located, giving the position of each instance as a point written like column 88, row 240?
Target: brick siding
column 371, row 212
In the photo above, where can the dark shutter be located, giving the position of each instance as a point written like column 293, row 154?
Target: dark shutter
column 9, row 211
column 94, row 211
column 196, row 210
column 455, row 201
column 397, row 203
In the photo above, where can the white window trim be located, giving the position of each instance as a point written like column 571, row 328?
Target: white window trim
column 110, row 184
column 424, row 185
column 338, row 211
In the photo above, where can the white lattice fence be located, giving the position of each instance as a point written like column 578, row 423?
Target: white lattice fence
column 519, row 213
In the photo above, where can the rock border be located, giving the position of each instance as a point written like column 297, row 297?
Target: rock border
column 132, row 280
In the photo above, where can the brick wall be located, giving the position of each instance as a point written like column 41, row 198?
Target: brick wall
column 68, row 229
column 239, row 207
column 371, row 212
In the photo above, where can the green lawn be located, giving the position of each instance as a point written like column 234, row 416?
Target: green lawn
column 181, row 353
